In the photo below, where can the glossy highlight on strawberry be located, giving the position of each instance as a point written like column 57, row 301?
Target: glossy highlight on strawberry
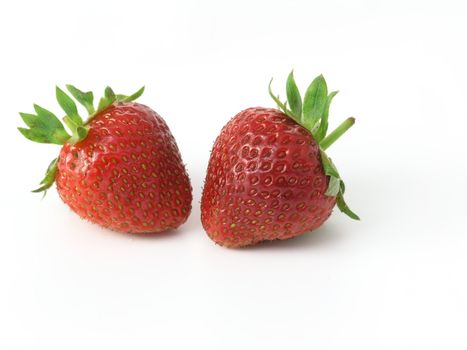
column 268, row 176
column 123, row 170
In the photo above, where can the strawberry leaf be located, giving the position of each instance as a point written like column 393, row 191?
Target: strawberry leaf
column 342, row 187
column 275, row 98
column 343, row 207
column 44, row 127
column 109, row 93
column 282, row 106
column 293, row 97
column 314, row 102
column 107, row 100
column 49, row 178
column 68, row 105
column 336, row 187
column 49, row 119
column 120, row 97
column 313, row 112
column 84, row 98
column 323, row 126
column 133, row 96
column 333, row 187
column 32, row 120
column 328, row 165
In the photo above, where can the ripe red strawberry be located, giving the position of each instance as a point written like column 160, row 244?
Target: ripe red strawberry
column 268, row 176
column 120, row 169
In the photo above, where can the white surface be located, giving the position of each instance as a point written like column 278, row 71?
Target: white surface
column 395, row 280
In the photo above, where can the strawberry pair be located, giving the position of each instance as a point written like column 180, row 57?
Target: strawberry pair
column 268, row 176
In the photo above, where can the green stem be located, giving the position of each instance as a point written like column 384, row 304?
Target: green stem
column 338, row 132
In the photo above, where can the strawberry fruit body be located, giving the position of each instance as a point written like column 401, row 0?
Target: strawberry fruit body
column 268, row 176
column 121, row 169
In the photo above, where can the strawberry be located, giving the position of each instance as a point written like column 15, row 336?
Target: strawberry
column 120, row 169
column 269, row 176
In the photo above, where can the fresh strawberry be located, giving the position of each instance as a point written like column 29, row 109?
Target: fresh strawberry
column 120, row 169
column 268, row 176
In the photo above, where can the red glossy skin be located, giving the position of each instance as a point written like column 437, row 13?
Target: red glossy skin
column 265, row 181
column 127, row 175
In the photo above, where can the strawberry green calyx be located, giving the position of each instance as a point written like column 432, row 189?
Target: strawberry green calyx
column 49, row 177
column 312, row 113
column 45, row 127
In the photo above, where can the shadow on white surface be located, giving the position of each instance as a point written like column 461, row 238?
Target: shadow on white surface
column 154, row 235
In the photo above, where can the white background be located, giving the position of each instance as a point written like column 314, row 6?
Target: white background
column 395, row 280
